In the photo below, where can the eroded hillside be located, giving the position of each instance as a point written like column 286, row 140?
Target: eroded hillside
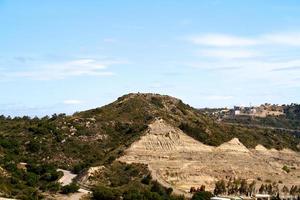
column 185, row 141
column 181, row 162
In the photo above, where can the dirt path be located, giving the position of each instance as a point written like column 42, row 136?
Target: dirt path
column 68, row 178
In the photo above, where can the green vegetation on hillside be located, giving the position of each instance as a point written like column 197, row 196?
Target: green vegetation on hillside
column 99, row 136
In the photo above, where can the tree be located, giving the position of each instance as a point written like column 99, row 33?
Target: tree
column 193, row 190
column 269, row 189
column 244, row 187
column 146, row 180
column 202, row 188
column 101, row 192
column 275, row 197
column 285, row 190
column 262, row 189
column 220, row 187
column 236, row 185
column 252, row 188
column 230, row 187
column 156, row 187
column 294, row 190
column 169, row 191
column 275, row 190
column 132, row 195
column 71, row 188
column 203, row 195
column 31, row 179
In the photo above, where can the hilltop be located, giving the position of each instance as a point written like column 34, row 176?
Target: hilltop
column 98, row 137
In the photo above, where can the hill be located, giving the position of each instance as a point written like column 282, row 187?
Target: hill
column 99, row 136
column 181, row 162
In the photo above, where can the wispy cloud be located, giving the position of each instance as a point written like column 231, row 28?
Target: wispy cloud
column 228, row 53
column 63, row 69
column 290, row 39
column 226, row 68
column 258, row 67
column 265, row 58
column 221, row 40
column 225, row 40
column 72, row 102
column 252, row 71
column 293, row 68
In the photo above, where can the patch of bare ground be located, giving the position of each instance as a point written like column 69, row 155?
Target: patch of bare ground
column 3, row 172
column 179, row 161
column 89, row 177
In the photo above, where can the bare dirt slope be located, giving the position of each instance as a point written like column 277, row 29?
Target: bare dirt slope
column 177, row 160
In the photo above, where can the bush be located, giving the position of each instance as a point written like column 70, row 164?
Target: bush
column 79, row 167
column 53, row 187
column 157, row 101
column 202, row 195
column 146, row 180
column 133, row 195
column 71, row 188
column 101, row 193
column 156, row 187
column 285, row 168
column 31, row 179
column 220, row 187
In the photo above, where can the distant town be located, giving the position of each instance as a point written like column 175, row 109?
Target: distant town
column 263, row 110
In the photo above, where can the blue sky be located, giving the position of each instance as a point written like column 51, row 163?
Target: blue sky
column 66, row 56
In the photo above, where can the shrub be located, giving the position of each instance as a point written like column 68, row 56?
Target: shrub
column 156, row 187
column 285, row 168
column 71, row 188
column 133, row 195
column 146, row 180
column 203, row 195
column 101, row 193
column 157, row 101
column 220, row 187
column 53, row 187
column 78, row 168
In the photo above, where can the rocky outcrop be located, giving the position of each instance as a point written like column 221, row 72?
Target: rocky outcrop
column 177, row 160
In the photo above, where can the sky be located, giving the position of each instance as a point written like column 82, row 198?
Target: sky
column 65, row 56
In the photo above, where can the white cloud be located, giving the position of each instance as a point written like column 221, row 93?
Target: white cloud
column 228, row 53
column 253, row 71
column 290, row 39
column 61, row 70
column 270, row 59
column 254, row 66
column 72, row 102
column 221, row 40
